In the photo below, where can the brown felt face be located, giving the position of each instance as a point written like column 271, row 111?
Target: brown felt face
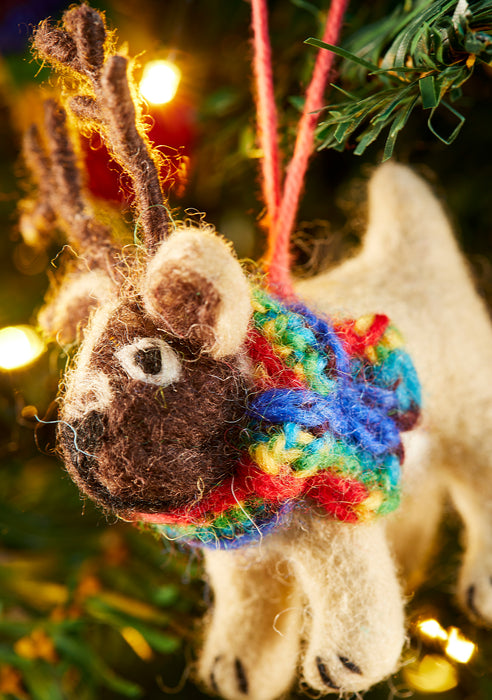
column 169, row 425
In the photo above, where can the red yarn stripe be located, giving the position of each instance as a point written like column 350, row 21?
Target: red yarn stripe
column 249, row 482
column 336, row 495
column 356, row 344
column 266, row 109
column 261, row 352
column 278, row 257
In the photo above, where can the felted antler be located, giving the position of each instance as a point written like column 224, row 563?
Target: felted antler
column 37, row 217
column 84, row 231
column 80, row 47
column 61, row 200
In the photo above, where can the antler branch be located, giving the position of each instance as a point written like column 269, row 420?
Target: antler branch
column 37, row 217
column 88, row 31
column 81, row 47
column 120, row 118
column 60, row 189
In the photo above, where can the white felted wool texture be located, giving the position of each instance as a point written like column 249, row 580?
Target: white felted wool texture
column 410, row 268
column 253, row 634
column 85, row 388
column 355, row 623
column 413, row 527
column 201, row 252
column 475, row 583
column 328, row 584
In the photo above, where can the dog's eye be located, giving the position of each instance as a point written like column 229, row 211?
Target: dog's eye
column 150, row 360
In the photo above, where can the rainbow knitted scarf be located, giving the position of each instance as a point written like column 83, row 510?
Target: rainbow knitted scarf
column 331, row 398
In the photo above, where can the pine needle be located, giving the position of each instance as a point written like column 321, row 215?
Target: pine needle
column 418, row 57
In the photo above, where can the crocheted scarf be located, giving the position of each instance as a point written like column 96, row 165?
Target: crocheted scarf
column 331, row 399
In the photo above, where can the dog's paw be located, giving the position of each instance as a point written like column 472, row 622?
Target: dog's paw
column 334, row 672
column 354, row 615
column 252, row 634
column 239, row 678
column 227, row 677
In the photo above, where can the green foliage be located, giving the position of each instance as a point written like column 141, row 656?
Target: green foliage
column 418, row 56
column 82, row 601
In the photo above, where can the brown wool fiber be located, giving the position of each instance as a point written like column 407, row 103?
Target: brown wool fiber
column 81, row 49
column 68, row 306
column 87, row 28
column 37, row 217
column 57, row 45
column 200, row 256
column 66, row 175
column 129, row 149
column 181, row 452
column 189, row 305
column 60, row 189
column 85, row 107
column 39, row 165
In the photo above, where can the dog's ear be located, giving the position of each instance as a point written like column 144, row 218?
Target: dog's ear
column 69, row 305
column 194, row 286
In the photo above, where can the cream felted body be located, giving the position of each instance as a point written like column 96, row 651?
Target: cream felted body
column 323, row 588
column 326, row 593
column 411, row 267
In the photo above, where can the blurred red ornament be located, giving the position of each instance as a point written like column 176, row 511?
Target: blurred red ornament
column 172, row 130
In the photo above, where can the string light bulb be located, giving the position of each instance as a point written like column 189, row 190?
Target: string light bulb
column 431, row 628
column 458, row 647
column 19, row 347
column 160, row 81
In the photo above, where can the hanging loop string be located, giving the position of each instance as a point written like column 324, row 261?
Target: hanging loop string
column 266, row 110
column 277, row 260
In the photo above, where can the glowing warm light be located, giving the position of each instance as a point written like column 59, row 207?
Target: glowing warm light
column 432, row 628
column 458, row 647
column 433, row 674
column 19, row 346
column 160, row 82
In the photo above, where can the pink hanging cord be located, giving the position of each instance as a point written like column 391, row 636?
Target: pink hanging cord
column 277, row 259
column 266, row 110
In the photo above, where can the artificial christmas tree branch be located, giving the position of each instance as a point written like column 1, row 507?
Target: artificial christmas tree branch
column 419, row 57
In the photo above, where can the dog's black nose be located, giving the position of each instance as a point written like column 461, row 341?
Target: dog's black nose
column 82, row 438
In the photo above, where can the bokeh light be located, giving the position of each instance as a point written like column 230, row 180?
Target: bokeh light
column 160, row 81
column 432, row 674
column 431, row 628
column 19, row 346
column 458, row 647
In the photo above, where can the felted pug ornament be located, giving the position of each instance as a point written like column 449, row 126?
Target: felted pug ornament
column 268, row 431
